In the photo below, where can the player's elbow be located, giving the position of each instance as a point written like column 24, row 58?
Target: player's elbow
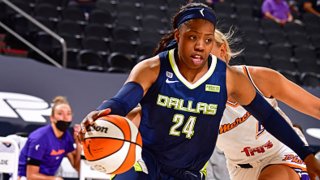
column 314, row 109
column 317, row 112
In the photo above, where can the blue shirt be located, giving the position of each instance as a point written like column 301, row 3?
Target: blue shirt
column 44, row 146
column 180, row 120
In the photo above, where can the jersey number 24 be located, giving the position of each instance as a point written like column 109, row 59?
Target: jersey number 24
column 188, row 126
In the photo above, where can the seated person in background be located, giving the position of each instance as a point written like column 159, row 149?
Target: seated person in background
column 212, row 2
column 45, row 148
column 277, row 11
column 310, row 6
column 294, row 8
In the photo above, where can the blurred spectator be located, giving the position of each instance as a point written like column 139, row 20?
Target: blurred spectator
column 277, row 10
column 310, row 6
column 208, row 2
column 294, row 8
column 45, row 148
column 212, row 2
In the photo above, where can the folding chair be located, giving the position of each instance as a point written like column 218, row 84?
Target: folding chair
column 66, row 170
column 87, row 172
column 9, row 156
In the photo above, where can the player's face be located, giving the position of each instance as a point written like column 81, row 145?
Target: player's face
column 195, row 40
column 219, row 51
column 63, row 112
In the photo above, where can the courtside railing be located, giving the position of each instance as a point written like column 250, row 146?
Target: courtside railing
column 44, row 28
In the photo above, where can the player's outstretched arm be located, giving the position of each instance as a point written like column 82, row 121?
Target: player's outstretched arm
column 142, row 76
column 274, row 84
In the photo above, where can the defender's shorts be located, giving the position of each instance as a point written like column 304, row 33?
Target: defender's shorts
column 285, row 157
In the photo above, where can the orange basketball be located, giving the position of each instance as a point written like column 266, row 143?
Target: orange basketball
column 112, row 145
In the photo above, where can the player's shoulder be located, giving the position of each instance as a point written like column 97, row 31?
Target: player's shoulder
column 256, row 71
column 234, row 70
column 150, row 64
column 40, row 132
column 149, row 67
column 262, row 72
column 237, row 67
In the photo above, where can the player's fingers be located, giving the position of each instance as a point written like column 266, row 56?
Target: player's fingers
column 312, row 176
column 77, row 128
column 78, row 137
column 88, row 120
column 91, row 117
column 317, row 174
column 85, row 122
column 81, row 137
column 83, row 128
column 104, row 112
column 81, row 132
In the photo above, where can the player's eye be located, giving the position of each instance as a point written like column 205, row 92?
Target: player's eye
column 208, row 41
column 192, row 37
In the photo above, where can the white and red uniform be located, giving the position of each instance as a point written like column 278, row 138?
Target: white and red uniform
column 248, row 147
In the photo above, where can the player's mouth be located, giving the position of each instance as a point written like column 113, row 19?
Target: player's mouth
column 197, row 59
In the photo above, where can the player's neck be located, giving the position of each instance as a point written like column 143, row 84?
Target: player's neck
column 190, row 74
column 57, row 132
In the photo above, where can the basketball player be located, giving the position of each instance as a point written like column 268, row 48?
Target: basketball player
column 256, row 153
column 45, row 148
column 183, row 92
column 277, row 165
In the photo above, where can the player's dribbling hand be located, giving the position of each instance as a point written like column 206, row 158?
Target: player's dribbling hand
column 89, row 120
column 76, row 131
column 313, row 166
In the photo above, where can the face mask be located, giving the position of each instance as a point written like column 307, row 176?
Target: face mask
column 62, row 125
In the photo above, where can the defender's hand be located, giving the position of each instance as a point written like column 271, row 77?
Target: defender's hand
column 313, row 166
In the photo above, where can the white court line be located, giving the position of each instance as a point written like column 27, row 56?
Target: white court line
column 314, row 132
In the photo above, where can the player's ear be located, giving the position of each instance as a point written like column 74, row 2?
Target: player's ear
column 52, row 119
column 176, row 35
column 223, row 52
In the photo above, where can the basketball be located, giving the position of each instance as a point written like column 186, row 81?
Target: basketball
column 112, row 144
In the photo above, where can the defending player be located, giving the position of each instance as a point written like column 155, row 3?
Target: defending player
column 255, row 152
